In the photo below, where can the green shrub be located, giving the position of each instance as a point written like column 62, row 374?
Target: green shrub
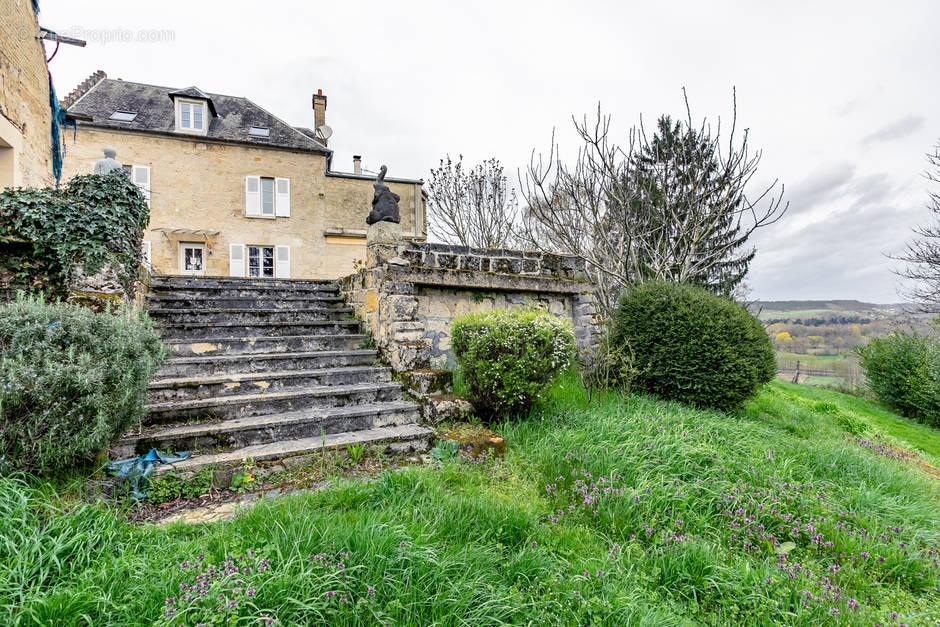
column 97, row 220
column 70, row 381
column 692, row 346
column 903, row 371
column 506, row 358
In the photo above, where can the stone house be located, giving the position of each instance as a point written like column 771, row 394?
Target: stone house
column 25, row 114
column 233, row 189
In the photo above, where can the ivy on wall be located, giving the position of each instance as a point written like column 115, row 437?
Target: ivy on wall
column 97, row 220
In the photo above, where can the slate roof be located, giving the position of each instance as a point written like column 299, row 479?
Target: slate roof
column 156, row 114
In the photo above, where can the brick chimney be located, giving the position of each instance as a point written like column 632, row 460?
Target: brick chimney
column 319, row 109
column 357, row 164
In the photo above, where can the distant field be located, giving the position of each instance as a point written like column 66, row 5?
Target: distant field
column 787, row 361
column 823, row 380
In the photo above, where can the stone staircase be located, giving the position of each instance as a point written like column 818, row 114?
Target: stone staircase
column 265, row 369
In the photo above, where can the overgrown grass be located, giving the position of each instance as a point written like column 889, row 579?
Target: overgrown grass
column 624, row 511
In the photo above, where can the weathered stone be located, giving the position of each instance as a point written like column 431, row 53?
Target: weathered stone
column 448, row 262
column 398, row 307
column 397, row 287
column 470, row 262
column 501, row 265
column 379, row 254
column 428, row 381
column 474, row 440
column 415, row 257
column 404, row 356
column 371, row 301
column 383, row 234
column 409, row 331
column 438, row 408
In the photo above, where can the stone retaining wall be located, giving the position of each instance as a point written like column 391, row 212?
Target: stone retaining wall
column 409, row 294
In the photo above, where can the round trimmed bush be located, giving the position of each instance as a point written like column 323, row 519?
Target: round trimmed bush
column 693, row 346
column 507, row 358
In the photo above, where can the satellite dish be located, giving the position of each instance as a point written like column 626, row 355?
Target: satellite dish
column 324, row 132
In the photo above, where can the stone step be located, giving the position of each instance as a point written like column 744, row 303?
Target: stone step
column 263, row 362
column 202, row 282
column 252, row 345
column 195, row 331
column 399, row 439
column 297, row 399
column 313, row 423
column 220, row 386
column 243, row 302
column 249, row 316
column 210, row 293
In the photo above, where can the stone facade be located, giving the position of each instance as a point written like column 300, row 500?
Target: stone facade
column 25, row 116
column 409, row 294
column 197, row 184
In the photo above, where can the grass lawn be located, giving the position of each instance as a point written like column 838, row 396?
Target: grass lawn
column 624, row 511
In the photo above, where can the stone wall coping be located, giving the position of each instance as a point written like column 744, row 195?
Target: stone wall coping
column 469, row 279
column 457, row 249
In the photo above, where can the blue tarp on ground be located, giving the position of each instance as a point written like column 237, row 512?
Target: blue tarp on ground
column 138, row 469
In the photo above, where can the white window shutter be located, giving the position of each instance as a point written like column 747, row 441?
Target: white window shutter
column 253, row 195
column 236, row 260
column 282, row 198
column 282, row 262
column 140, row 175
column 145, row 251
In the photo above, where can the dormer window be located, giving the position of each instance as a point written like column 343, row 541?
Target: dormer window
column 191, row 116
column 259, row 131
column 123, row 116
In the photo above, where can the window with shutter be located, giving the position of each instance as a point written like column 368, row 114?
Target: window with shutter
column 282, row 197
column 252, row 196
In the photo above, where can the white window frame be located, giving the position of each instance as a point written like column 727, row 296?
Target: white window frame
column 192, row 103
column 260, row 249
column 182, row 258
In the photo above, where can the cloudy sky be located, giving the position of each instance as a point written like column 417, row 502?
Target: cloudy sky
column 840, row 96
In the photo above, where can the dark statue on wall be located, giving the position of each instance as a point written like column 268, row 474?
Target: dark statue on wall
column 384, row 203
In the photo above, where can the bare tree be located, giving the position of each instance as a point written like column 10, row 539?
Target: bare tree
column 672, row 206
column 473, row 207
column 922, row 255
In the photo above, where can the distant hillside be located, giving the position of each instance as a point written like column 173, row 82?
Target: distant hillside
column 831, row 305
column 783, row 309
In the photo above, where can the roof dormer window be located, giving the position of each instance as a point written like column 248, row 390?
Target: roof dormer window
column 123, row 116
column 191, row 116
column 259, row 131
